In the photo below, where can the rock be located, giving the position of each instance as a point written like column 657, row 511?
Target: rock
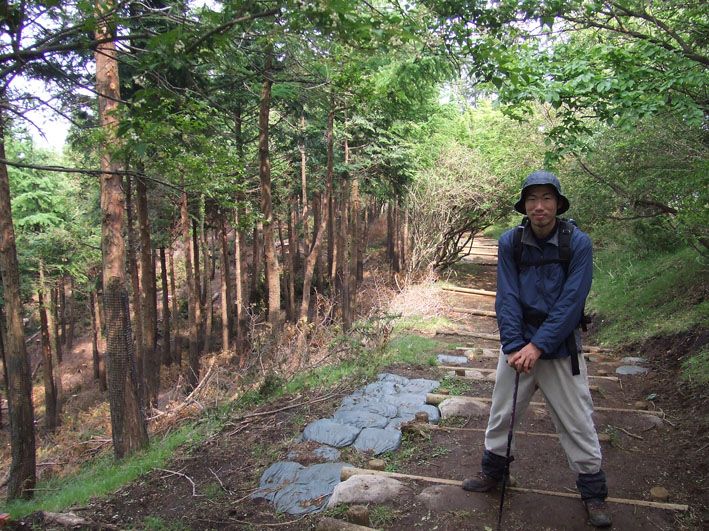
column 369, row 488
column 443, row 391
column 631, row 370
column 377, row 464
column 460, row 372
column 602, row 372
column 358, row 514
column 459, row 407
column 652, row 421
column 64, row 519
column 633, row 360
column 659, row 494
column 445, row 359
column 641, row 404
column 333, row 524
column 604, row 437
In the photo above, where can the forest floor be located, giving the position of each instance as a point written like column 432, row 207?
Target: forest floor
column 210, row 486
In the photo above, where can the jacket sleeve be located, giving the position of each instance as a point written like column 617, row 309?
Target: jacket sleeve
column 565, row 314
column 508, row 306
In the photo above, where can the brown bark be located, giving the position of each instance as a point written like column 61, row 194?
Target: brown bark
column 405, row 239
column 292, row 250
column 284, row 277
column 196, row 280
column 225, row 281
column 192, row 298
column 99, row 369
column 135, row 283
column 343, row 264
column 177, row 353
column 331, row 233
column 127, row 422
column 355, row 210
column 209, row 302
column 72, row 303
column 19, row 385
column 241, row 284
column 256, row 254
column 61, row 308
column 318, row 213
column 151, row 361
column 56, row 345
column 310, row 266
column 50, row 392
column 269, row 247
column 304, row 192
column 166, row 353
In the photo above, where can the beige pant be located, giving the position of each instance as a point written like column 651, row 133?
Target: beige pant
column 568, row 401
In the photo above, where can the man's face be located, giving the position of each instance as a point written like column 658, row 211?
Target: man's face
column 540, row 204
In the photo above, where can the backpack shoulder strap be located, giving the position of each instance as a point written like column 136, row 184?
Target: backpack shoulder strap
column 566, row 228
column 518, row 241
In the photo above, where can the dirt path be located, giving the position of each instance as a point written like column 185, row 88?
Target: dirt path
column 210, row 486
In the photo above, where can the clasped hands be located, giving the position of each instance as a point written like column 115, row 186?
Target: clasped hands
column 524, row 359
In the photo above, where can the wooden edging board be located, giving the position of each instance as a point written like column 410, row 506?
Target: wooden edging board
column 472, row 291
column 453, row 368
column 435, row 399
column 348, row 472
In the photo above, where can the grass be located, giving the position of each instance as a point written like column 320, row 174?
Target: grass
column 642, row 297
column 103, row 475
column 695, row 369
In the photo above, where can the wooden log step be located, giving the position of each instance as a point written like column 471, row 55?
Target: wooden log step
column 463, row 333
column 454, row 368
column 348, row 472
column 470, row 290
column 435, row 399
column 475, row 311
column 333, row 524
column 419, row 427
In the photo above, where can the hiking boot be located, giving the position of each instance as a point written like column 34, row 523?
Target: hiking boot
column 598, row 513
column 480, row 483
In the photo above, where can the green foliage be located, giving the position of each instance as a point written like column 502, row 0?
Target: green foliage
column 456, row 386
column 638, row 297
column 695, row 369
column 104, row 475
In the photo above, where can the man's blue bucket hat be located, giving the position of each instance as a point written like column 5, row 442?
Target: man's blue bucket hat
column 543, row 177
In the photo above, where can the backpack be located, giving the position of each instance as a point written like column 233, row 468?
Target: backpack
column 566, row 229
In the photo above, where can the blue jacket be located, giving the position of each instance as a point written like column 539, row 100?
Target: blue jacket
column 541, row 290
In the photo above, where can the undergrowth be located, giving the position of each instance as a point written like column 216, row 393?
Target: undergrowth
column 637, row 298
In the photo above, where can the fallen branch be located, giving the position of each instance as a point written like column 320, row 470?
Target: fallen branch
column 174, row 473
column 470, row 291
column 475, row 311
column 628, row 433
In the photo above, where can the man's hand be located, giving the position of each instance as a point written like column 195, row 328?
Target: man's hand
column 523, row 360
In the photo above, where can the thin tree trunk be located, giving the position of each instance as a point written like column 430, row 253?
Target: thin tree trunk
column 19, row 385
column 101, row 343
column 128, row 428
column 95, row 353
column 269, row 247
column 256, row 258
column 318, row 213
column 56, row 344
column 206, row 290
column 310, row 265
column 3, row 349
column 405, row 240
column 196, row 281
column 209, row 302
column 284, row 279
column 72, row 303
column 62, row 308
column 50, row 392
column 192, row 297
column 167, row 354
column 343, row 260
column 292, row 251
column 177, row 354
column 362, row 245
column 304, row 192
column 151, row 361
column 355, row 208
column 135, row 283
column 227, row 319
column 331, row 234
column 241, row 284
column 390, row 234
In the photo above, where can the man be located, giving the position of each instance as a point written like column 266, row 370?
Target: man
column 540, row 300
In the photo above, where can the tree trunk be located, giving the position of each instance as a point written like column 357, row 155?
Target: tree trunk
column 362, row 245
column 405, row 239
column 331, row 234
column 227, row 319
column 61, row 308
column 50, row 392
column 304, row 192
column 343, row 264
column 177, row 353
column 310, row 265
column 56, row 345
column 196, row 281
column 292, row 251
column 284, row 279
column 355, row 208
column 390, row 234
column 19, row 385
column 269, row 247
column 318, row 213
column 72, row 303
column 127, row 422
column 206, row 290
column 241, row 284
column 166, row 355
column 151, row 361
column 209, row 302
column 256, row 258
column 192, row 297
column 99, row 371
column 135, row 283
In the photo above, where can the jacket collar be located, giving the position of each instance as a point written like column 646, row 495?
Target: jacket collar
column 528, row 237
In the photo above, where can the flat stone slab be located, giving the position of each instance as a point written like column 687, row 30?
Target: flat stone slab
column 442, row 498
column 631, row 370
column 359, row 418
column 369, row 488
column 460, row 407
column 633, row 360
column 445, row 359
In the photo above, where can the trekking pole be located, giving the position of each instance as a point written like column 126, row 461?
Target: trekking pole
column 509, row 446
